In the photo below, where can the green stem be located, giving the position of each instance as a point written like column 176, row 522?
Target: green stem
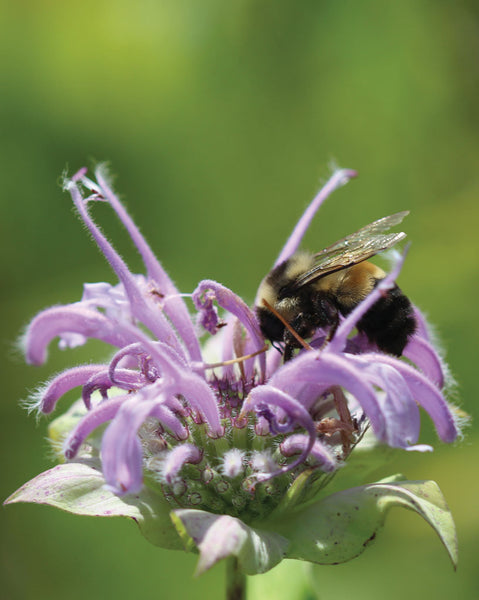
column 235, row 580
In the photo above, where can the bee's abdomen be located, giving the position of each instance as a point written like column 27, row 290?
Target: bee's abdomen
column 390, row 322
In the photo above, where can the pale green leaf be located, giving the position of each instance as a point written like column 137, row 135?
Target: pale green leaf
column 79, row 488
column 339, row 527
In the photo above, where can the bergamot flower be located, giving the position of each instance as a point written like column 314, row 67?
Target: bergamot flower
column 216, row 445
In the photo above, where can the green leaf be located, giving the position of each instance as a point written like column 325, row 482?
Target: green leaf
column 340, row 527
column 79, row 488
column 219, row 536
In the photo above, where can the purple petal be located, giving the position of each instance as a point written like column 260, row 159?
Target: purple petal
column 168, row 419
column 298, row 442
column 142, row 308
column 126, row 355
column 423, row 355
column 103, row 412
column 324, row 371
column 244, row 346
column 121, row 450
column 182, row 380
column 227, row 335
column 426, row 395
column 400, row 411
column 149, row 370
column 209, row 290
column 338, row 179
column 176, row 309
column 267, row 395
column 71, row 318
column 422, row 326
column 126, row 379
column 176, row 458
column 63, row 383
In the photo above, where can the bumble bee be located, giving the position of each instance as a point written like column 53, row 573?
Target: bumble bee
column 311, row 291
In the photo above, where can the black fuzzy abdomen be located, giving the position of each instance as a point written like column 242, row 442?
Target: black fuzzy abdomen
column 390, row 322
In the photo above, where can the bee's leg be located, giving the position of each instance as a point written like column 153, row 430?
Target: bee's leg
column 333, row 328
column 288, row 351
column 301, row 325
column 290, row 345
column 328, row 316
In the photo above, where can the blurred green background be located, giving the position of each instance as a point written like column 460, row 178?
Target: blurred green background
column 220, row 120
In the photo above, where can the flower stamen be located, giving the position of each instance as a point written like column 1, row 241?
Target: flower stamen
column 233, row 361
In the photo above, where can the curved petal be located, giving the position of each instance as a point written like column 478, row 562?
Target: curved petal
column 426, row 395
column 297, row 443
column 176, row 308
column 176, row 458
column 422, row 354
column 400, row 411
column 141, row 306
column 63, row 383
column 126, row 379
column 105, row 411
column 207, row 291
column 121, row 450
column 267, row 395
column 338, row 179
column 54, row 321
column 182, row 380
column 325, row 370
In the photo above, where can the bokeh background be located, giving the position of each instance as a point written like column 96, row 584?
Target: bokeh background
column 220, row 120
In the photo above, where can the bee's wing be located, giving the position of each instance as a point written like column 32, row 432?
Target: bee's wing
column 352, row 249
column 365, row 233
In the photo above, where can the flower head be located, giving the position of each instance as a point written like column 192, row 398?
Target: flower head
column 241, row 436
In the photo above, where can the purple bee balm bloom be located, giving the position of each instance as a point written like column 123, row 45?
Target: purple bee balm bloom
column 223, row 429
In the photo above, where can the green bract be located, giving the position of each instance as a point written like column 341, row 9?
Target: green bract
column 332, row 530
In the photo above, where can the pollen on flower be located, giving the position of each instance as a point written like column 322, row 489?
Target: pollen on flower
column 231, row 436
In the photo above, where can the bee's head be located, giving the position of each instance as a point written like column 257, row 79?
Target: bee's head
column 271, row 326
